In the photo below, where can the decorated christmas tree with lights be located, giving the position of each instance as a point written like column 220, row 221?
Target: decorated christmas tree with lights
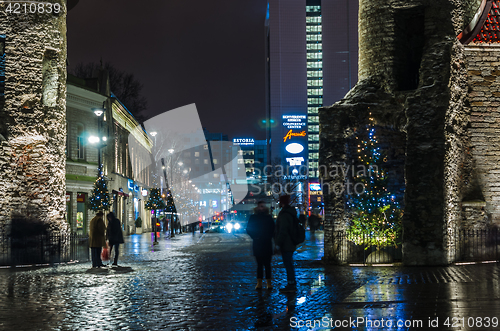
column 375, row 213
column 155, row 201
column 99, row 199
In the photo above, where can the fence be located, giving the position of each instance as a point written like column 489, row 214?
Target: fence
column 469, row 246
column 362, row 250
column 477, row 245
column 43, row 249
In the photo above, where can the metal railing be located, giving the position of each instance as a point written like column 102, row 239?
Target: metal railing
column 468, row 246
column 362, row 250
column 477, row 245
column 43, row 249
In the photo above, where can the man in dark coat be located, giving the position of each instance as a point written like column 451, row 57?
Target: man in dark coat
column 284, row 227
column 260, row 228
column 97, row 239
column 114, row 235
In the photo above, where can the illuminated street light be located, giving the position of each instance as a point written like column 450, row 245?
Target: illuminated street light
column 154, row 133
column 98, row 112
column 94, row 139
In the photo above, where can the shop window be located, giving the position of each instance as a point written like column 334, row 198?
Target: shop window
column 80, row 142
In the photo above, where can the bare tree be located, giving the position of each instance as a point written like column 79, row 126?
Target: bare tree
column 122, row 84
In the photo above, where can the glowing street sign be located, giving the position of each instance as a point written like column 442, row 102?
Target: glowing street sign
column 294, row 148
column 294, row 121
column 314, row 187
column 291, row 134
column 295, row 161
column 243, row 141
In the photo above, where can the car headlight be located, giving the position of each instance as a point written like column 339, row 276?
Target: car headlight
column 237, row 226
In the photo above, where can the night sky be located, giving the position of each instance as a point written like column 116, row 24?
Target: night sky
column 206, row 52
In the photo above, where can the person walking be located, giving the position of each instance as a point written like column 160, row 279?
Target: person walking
column 284, row 224
column 97, row 239
column 260, row 228
column 114, row 235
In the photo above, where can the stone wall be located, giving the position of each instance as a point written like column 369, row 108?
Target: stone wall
column 412, row 79
column 33, row 116
column 484, row 130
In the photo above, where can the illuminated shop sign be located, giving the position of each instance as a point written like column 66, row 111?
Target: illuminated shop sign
column 243, row 141
column 130, row 185
column 295, row 177
column 294, row 148
column 314, row 187
column 295, row 161
column 291, row 134
column 294, row 121
column 214, row 204
column 144, row 193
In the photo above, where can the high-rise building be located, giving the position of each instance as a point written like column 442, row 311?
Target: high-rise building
column 311, row 61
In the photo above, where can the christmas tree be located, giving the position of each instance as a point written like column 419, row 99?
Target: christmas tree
column 155, row 201
column 99, row 199
column 170, row 207
column 376, row 214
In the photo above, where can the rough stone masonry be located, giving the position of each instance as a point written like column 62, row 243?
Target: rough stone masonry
column 33, row 116
column 413, row 82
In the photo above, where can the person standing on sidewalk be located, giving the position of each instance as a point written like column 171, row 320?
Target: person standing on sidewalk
column 284, row 229
column 114, row 235
column 97, row 239
column 260, row 228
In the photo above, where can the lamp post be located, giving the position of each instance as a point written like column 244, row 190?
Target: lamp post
column 98, row 112
column 153, row 161
column 171, row 151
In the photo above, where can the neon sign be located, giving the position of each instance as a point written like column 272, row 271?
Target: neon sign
column 294, row 148
column 314, row 187
column 291, row 134
column 243, row 141
column 294, row 121
column 295, row 161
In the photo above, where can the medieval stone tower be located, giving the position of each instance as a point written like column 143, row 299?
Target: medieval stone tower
column 418, row 82
column 33, row 112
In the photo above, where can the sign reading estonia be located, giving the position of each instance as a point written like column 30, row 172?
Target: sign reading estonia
column 243, row 141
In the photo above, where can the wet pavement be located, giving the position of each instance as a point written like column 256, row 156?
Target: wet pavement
column 206, row 282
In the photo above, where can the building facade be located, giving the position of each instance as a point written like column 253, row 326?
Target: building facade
column 128, row 191
column 311, row 62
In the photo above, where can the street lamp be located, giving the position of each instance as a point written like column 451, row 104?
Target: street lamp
column 171, row 151
column 97, row 140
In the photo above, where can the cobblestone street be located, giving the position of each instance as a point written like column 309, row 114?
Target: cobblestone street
column 206, row 282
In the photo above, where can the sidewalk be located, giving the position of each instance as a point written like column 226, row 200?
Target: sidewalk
column 206, row 282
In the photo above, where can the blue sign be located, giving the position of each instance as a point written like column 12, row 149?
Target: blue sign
column 314, row 187
column 130, row 185
column 214, row 204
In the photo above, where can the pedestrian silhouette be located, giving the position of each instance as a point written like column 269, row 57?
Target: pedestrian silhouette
column 260, row 228
column 97, row 239
column 114, row 235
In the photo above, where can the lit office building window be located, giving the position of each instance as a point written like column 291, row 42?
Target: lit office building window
column 314, row 48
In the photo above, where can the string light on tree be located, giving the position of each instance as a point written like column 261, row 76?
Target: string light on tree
column 155, row 201
column 99, row 199
column 376, row 214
